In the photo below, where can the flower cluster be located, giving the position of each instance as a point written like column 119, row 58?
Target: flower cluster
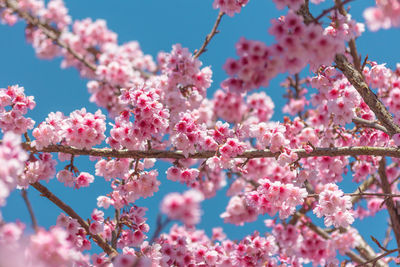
column 43, row 248
column 37, row 169
column 182, row 81
column 13, row 106
column 81, row 129
column 183, row 207
column 151, row 119
column 185, row 247
column 185, row 176
column 76, row 235
column 297, row 45
column 84, row 179
column 230, row 7
column 273, row 197
column 384, row 15
column 12, row 158
column 334, row 206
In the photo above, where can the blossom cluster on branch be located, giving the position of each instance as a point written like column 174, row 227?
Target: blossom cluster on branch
column 158, row 108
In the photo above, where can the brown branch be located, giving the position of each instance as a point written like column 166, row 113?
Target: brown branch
column 394, row 216
column 24, row 194
column 209, row 36
column 266, row 153
column 67, row 209
column 373, row 102
column 370, row 124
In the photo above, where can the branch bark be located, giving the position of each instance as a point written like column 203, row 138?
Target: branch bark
column 373, row 102
column 67, row 209
column 394, row 216
column 266, row 153
column 209, row 36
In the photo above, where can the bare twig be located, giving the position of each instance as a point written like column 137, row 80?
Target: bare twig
column 67, row 209
column 374, row 260
column 209, row 36
column 24, row 194
column 338, row 5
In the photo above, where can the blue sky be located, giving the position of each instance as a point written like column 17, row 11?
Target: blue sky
column 157, row 25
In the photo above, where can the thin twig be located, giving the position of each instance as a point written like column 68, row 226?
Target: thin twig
column 209, row 36
column 378, row 257
column 67, row 209
column 24, row 194
column 160, row 226
column 328, row 10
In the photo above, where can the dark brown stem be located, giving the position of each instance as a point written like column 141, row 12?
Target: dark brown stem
column 67, row 209
column 394, row 216
column 24, row 194
column 266, row 153
column 209, row 36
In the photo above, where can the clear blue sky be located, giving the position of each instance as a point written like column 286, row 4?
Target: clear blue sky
column 157, row 25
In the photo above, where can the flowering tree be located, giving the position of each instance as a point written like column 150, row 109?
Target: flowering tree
column 158, row 110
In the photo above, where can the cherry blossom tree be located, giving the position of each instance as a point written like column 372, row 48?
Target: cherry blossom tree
column 158, row 110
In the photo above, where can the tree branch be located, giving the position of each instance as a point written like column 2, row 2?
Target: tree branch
column 370, row 124
column 209, row 36
column 266, row 153
column 374, row 260
column 394, row 216
column 24, row 194
column 373, row 102
column 67, row 209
